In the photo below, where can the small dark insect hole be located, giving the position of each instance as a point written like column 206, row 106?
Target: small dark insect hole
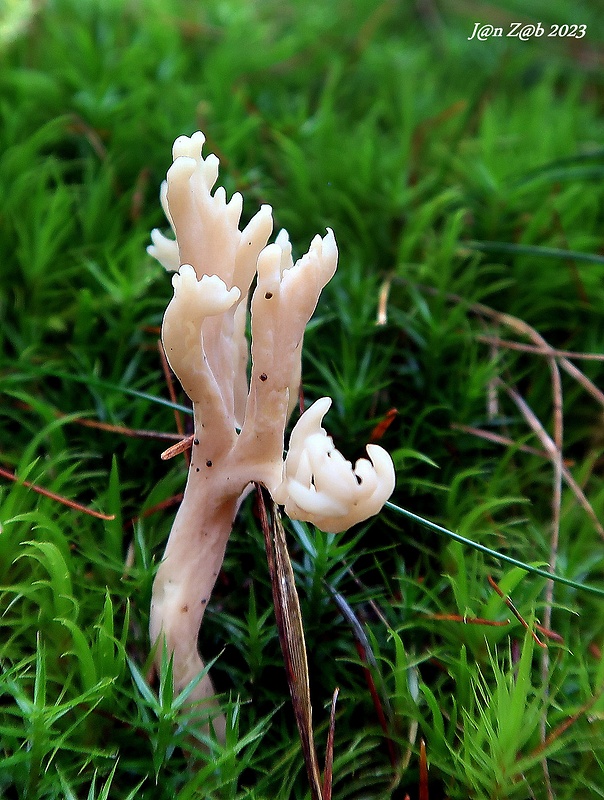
column 268, row 295
column 264, row 376
column 208, row 463
column 195, row 441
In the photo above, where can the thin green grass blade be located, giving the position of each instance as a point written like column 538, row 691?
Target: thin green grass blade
column 585, row 587
column 533, row 250
column 98, row 383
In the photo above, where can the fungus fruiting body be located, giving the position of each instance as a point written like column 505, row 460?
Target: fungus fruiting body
column 239, row 421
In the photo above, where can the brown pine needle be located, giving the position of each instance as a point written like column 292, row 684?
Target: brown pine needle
column 380, row 429
column 493, row 623
column 53, row 496
column 79, row 126
column 508, row 601
column 171, row 501
column 122, row 430
column 135, row 433
column 424, row 792
column 497, row 438
column 549, row 634
column 138, row 195
column 564, row 726
column 176, row 449
column 537, row 350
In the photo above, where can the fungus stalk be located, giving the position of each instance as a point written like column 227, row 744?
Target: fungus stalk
column 239, row 422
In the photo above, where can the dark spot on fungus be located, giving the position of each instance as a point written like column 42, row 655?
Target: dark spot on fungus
column 204, row 601
column 359, row 479
column 208, row 463
column 184, row 609
column 264, row 376
column 196, row 469
column 268, row 295
column 195, row 441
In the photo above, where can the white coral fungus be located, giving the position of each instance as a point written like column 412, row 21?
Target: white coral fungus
column 321, row 486
column 239, row 421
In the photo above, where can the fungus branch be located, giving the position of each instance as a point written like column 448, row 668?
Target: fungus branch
column 240, row 427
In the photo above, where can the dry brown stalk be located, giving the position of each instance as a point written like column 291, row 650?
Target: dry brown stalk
column 508, row 601
column 582, row 379
column 549, row 446
column 497, row 438
column 382, row 314
column 539, row 351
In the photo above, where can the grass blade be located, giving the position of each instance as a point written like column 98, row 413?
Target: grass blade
column 585, row 587
column 533, row 250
